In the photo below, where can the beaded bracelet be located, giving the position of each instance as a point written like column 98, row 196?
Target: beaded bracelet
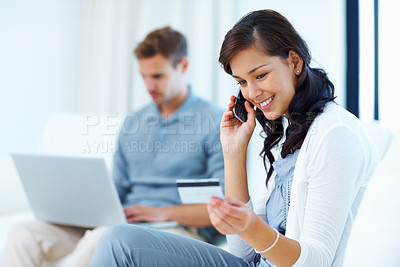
column 270, row 247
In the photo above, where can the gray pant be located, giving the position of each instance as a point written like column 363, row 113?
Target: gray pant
column 130, row 245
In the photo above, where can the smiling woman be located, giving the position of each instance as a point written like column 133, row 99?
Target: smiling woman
column 278, row 66
column 319, row 172
column 271, row 62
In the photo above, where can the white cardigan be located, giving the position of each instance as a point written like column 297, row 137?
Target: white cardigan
column 334, row 164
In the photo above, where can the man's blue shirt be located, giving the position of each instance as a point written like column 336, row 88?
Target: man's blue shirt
column 152, row 152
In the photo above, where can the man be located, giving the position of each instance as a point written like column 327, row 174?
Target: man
column 177, row 136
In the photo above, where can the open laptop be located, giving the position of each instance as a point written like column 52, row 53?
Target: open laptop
column 74, row 191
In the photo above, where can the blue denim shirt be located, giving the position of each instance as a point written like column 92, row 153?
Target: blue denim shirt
column 277, row 206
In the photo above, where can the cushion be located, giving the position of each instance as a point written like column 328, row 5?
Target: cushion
column 374, row 238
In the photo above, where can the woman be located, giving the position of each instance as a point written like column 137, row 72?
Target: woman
column 324, row 161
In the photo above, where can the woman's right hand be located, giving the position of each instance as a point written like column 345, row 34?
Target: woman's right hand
column 235, row 135
column 230, row 216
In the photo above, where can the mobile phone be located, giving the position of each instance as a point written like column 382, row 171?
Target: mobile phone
column 239, row 109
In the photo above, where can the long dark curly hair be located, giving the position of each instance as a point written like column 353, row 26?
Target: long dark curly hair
column 276, row 36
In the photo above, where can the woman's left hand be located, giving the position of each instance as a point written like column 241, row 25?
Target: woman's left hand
column 229, row 216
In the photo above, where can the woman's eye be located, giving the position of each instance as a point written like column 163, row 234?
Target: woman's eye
column 261, row 76
column 242, row 82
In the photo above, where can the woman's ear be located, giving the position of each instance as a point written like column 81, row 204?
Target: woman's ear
column 296, row 62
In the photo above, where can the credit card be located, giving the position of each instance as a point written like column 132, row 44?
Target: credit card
column 194, row 191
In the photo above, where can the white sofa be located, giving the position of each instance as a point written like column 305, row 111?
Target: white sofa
column 375, row 237
column 373, row 230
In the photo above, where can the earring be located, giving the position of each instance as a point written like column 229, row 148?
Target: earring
column 298, row 72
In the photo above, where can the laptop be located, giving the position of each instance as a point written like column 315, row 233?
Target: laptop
column 76, row 191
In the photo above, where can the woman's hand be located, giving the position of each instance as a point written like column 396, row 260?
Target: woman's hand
column 230, row 216
column 236, row 135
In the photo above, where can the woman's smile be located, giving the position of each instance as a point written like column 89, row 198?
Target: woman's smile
column 264, row 105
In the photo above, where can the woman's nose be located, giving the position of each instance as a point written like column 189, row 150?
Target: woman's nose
column 254, row 91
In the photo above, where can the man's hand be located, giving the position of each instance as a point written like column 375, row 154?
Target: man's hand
column 139, row 213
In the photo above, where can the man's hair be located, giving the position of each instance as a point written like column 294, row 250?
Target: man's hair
column 165, row 41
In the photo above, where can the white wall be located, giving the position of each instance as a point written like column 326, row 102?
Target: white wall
column 38, row 62
column 389, row 57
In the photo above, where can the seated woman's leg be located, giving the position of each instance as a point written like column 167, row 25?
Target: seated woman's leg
column 130, row 245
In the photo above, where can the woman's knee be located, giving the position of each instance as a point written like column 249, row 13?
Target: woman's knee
column 116, row 244
column 128, row 237
column 114, row 232
column 120, row 233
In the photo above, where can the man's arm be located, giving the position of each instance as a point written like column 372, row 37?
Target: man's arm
column 194, row 215
column 119, row 171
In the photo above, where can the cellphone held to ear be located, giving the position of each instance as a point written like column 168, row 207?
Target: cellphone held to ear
column 239, row 110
